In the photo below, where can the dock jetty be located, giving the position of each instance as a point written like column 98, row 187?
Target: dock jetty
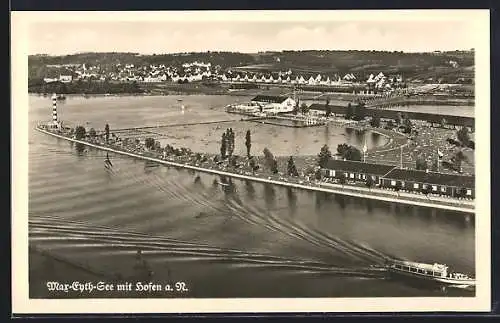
column 361, row 192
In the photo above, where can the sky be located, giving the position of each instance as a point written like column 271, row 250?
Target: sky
column 157, row 37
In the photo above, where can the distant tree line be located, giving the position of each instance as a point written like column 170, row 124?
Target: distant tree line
column 245, row 86
column 83, row 87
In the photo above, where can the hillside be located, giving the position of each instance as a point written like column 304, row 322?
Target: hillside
column 365, row 62
column 38, row 63
column 359, row 62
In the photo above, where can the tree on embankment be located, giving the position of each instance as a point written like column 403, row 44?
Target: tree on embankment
column 223, row 146
column 229, row 142
column 106, row 131
column 457, row 160
column 463, row 136
column 324, row 156
column 80, row 132
column 369, row 182
column 149, row 143
column 421, row 163
column 270, row 160
column 248, row 142
column 291, row 168
column 398, row 187
column 92, row 133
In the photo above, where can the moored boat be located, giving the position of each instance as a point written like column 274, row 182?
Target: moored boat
column 436, row 273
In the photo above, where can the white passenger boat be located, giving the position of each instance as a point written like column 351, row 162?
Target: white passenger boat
column 437, row 273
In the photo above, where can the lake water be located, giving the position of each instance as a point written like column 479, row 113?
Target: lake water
column 254, row 241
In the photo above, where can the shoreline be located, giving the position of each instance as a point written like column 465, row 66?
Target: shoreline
column 361, row 192
column 174, row 89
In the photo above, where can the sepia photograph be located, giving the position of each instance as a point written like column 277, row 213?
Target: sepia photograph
column 236, row 161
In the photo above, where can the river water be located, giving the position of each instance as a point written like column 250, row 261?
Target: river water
column 254, row 241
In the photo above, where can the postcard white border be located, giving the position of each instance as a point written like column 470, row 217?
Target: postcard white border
column 21, row 304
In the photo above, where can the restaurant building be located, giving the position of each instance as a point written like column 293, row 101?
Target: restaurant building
column 274, row 104
column 430, row 182
column 356, row 171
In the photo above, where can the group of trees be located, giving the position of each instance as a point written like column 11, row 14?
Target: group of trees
column 324, row 156
column 169, row 150
column 375, row 121
column 80, row 132
column 404, row 123
column 456, row 160
column 270, row 160
column 421, row 164
column 346, row 151
column 356, row 111
column 464, row 138
column 149, row 143
column 84, row 87
column 300, row 108
column 349, row 152
column 227, row 143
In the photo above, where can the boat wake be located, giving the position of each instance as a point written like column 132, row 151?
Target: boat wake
column 71, row 238
column 214, row 211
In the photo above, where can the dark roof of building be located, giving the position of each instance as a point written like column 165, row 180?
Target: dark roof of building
column 336, row 109
column 429, row 117
column 431, row 177
column 270, row 98
column 359, row 167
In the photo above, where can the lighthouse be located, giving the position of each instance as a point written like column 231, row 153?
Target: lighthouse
column 55, row 123
column 54, row 109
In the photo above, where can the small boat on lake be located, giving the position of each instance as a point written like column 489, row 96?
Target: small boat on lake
column 436, row 273
column 223, row 184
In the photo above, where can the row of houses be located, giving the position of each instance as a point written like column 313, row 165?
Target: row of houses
column 409, row 180
column 61, row 78
column 198, row 71
column 379, row 81
column 188, row 72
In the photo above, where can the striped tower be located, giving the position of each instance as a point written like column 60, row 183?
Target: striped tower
column 54, row 109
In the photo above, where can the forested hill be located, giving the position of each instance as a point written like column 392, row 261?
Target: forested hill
column 223, row 59
column 312, row 60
